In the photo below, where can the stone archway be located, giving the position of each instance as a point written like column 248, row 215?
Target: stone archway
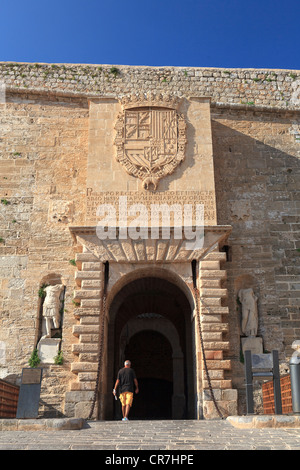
column 156, row 305
column 132, row 263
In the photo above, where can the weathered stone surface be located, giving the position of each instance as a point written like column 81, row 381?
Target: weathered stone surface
column 271, row 421
column 272, row 88
column 58, row 164
column 63, row 424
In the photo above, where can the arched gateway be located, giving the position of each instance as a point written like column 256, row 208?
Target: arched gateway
column 150, row 317
column 150, row 190
column 150, row 323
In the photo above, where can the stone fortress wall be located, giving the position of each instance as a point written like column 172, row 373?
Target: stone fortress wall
column 44, row 128
column 252, row 87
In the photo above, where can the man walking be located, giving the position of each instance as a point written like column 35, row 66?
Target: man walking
column 127, row 381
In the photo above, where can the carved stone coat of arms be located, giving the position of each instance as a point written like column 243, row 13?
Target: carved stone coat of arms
column 151, row 137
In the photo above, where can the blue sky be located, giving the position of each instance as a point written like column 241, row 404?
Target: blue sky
column 195, row 33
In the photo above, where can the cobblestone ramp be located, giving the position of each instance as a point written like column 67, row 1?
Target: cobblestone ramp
column 154, row 436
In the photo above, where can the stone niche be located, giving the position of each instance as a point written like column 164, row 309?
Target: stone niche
column 247, row 296
column 51, row 306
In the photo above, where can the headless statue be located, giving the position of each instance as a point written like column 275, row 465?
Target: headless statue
column 249, row 312
column 51, row 308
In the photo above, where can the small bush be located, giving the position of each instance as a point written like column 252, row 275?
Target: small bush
column 34, row 359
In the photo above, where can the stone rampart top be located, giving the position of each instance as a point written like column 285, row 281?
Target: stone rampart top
column 250, row 87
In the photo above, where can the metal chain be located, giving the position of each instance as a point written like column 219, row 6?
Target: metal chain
column 197, row 297
column 101, row 342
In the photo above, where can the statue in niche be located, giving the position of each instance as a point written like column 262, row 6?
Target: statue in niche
column 249, row 312
column 51, row 308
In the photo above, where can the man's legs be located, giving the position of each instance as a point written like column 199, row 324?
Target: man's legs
column 125, row 411
column 126, row 400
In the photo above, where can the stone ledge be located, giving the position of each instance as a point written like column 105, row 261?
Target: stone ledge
column 265, row 421
column 56, row 424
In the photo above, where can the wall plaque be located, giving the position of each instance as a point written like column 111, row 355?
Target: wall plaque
column 95, row 199
column 31, row 376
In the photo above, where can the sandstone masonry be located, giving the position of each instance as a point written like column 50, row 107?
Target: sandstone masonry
column 252, row 87
column 57, row 131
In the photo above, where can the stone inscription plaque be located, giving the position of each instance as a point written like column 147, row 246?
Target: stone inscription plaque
column 31, row 376
column 179, row 198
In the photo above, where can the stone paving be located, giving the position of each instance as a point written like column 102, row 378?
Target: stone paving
column 163, row 436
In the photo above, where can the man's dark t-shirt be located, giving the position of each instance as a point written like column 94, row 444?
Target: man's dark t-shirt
column 126, row 377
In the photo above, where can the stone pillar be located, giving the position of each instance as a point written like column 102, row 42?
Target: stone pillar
column 214, row 322
column 89, row 279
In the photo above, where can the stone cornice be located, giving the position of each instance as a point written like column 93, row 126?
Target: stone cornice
column 161, row 250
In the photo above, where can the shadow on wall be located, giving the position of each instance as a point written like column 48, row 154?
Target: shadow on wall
column 257, row 177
